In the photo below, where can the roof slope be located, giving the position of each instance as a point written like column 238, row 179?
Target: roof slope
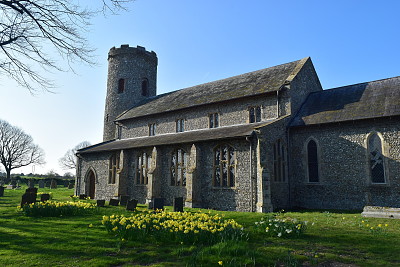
column 248, row 84
column 178, row 138
column 360, row 101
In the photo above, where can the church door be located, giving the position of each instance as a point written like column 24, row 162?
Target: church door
column 91, row 186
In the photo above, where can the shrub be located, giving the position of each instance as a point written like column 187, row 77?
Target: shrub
column 184, row 227
column 56, row 209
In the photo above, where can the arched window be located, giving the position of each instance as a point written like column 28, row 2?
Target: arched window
column 145, row 87
column 121, row 86
column 279, row 162
column 178, row 167
column 376, row 159
column 312, row 162
column 113, row 166
column 142, row 169
column 224, row 166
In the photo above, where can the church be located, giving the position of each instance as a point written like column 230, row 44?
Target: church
column 261, row 141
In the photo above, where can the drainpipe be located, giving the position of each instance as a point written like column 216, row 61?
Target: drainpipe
column 248, row 139
column 78, row 175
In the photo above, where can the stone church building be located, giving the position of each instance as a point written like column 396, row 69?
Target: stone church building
column 260, row 141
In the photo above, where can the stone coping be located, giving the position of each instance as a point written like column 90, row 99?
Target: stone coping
column 381, row 212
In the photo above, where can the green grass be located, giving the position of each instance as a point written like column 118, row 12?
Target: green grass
column 69, row 241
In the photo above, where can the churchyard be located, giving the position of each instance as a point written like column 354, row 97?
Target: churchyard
column 82, row 234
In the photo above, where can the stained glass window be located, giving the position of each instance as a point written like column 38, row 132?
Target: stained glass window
column 224, row 166
column 312, row 162
column 376, row 159
column 143, row 165
column 178, row 167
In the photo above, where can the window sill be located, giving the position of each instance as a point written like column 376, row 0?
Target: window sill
column 223, row 188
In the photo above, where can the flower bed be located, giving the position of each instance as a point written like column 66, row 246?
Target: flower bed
column 56, row 209
column 183, row 227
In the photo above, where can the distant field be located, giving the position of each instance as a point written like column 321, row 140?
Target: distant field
column 329, row 238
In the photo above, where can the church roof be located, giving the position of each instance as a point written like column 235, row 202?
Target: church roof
column 354, row 102
column 226, row 132
column 248, row 84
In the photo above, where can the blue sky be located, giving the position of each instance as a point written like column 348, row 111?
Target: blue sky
column 201, row 41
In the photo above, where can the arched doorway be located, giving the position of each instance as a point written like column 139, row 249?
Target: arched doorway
column 91, row 180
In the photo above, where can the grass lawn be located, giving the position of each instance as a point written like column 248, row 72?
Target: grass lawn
column 330, row 238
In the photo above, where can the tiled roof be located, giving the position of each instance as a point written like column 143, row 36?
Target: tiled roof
column 227, row 132
column 248, row 84
column 360, row 101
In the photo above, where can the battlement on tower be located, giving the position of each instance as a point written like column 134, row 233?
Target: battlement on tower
column 126, row 50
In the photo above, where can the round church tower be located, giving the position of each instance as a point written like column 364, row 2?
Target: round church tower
column 132, row 76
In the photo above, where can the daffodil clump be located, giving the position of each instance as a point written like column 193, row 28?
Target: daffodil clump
column 184, row 227
column 56, row 209
column 377, row 229
column 281, row 227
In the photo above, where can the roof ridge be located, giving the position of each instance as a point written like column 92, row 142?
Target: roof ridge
column 350, row 85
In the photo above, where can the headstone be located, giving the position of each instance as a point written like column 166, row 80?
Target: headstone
column 47, row 183
column 151, row 204
column 31, row 183
column 71, row 186
column 53, row 184
column 114, row 202
column 41, row 184
column 31, row 190
column 44, row 197
column 158, row 203
column 123, row 200
column 101, row 202
column 2, row 191
column 66, row 183
column 131, row 205
column 178, row 204
column 82, row 196
column 28, row 198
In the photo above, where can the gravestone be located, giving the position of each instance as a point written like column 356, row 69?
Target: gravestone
column 114, row 202
column 123, row 200
column 66, row 183
column 28, row 198
column 31, row 183
column 131, row 205
column 82, row 196
column 178, row 204
column 158, row 203
column 31, row 190
column 41, row 184
column 44, row 197
column 151, row 204
column 101, row 202
column 47, row 183
column 2, row 191
column 53, row 184
column 71, row 186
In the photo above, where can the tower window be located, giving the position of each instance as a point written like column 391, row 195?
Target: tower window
column 121, row 86
column 145, row 87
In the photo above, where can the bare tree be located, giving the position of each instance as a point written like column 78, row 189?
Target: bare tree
column 28, row 28
column 68, row 161
column 17, row 148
